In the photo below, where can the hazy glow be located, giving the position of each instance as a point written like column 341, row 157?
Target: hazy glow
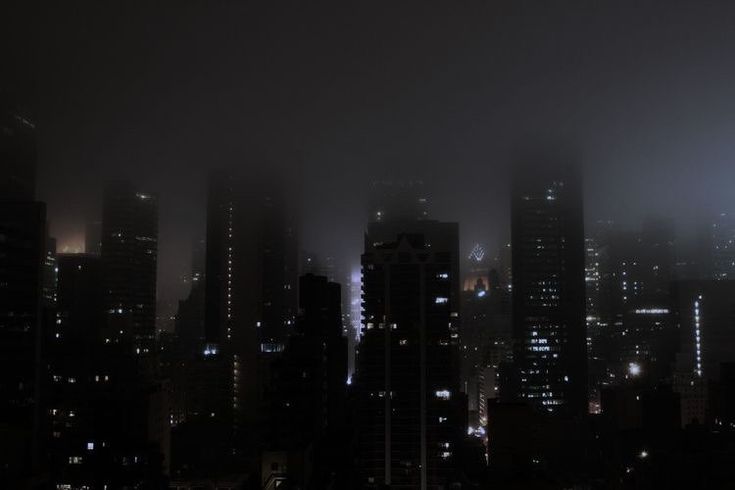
column 634, row 369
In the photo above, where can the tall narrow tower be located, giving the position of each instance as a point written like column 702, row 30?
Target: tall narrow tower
column 548, row 285
column 410, row 410
column 129, row 257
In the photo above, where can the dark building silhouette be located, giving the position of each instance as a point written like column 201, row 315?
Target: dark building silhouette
column 93, row 237
column 189, row 322
column 410, row 412
column 129, row 256
column 250, row 295
column 308, row 394
column 548, row 285
column 106, row 413
column 486, row 339
column 22, row 254
column 398, row 201
column 50, row 272
column 252, row 263
column 17, row 155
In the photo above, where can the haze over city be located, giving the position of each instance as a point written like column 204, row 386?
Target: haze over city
column 343, row 94
column 367, row 245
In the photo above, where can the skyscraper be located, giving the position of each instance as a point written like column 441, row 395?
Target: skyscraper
column 251, row 264
column 722, row 251
column 308, row 390
column 549, row 285
column 17, row 155
column 410, row 409
column 129, row 256
column 22, row 252
column 250, row 286
column 106, row 418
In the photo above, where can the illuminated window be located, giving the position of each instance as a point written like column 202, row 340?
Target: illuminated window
column 443, row 394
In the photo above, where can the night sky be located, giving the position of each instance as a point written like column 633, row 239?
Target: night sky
column 339, row 95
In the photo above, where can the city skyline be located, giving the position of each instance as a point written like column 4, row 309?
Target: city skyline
column 369, row 246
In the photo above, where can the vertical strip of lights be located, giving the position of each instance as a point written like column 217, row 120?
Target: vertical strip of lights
column 697, row 335
column 229, row 271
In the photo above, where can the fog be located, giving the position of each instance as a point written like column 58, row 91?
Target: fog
column 338, row 96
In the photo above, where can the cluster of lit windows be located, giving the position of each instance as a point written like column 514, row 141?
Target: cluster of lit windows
column 651, row 311
column 443, row 394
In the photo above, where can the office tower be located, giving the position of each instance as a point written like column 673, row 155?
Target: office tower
column 23, row 311
column 326, row 266
column 17, row 155
column 354, row 282
column 474, row 329
column 486, row 339
column 398, row 201
column 658, row 257
column 704, row 313
column 50, row 273
column 312, row 263
column 308, row 392
column 548, row 285
column 106, row 417
column 722, row 247
column 485, row 333
column 410, row 412
column 633, row 308
column 72, row 348
column 189, row 323
column 252, row 261
column 250, row 287
column 129, row 256
column 592, row 290
column 22, row 254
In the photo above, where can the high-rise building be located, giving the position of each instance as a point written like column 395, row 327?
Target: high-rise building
column 492, row 311
column 307, row 394
column 706, row 325
column 634, row 326
column 410, row 412
column 22, row 254
column 251, row 265
column 547, row 230
column 722, row 251
column 50, row 273
column 398, row 201
column 592, row 290
column 485, row 334
column 189, row 320
column 706, row 318
column 106, row 418
column 250, row 288
column 17, row 155
column 24, row 281
column 129, row 257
